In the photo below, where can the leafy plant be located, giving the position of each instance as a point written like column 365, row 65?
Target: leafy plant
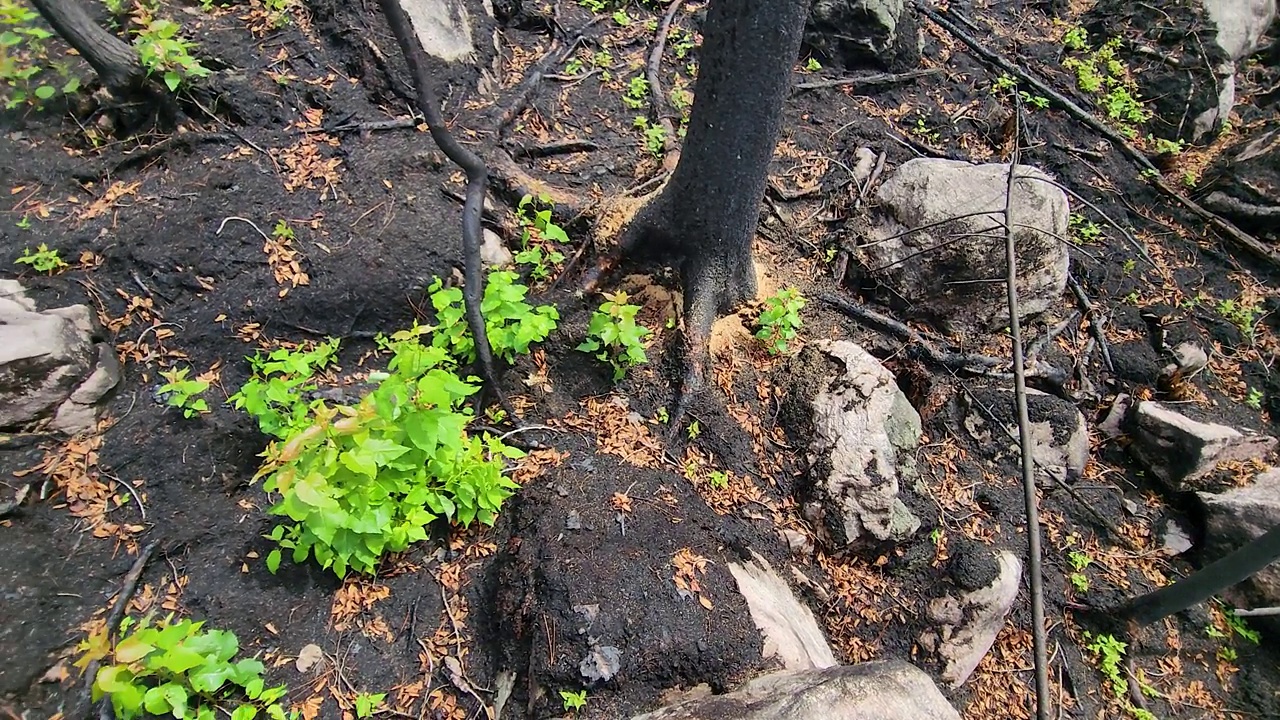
column 367, row 704
column 275, row 392
column 1167, row 147
column 27, row 75
column 655, row 136
column 1077, row 38
column 1255, row 398
column 1240, row 627
column 1085, row 232
column 594, row 6
column 162, row 51
column 356, row 482
column 573, row 701
column 184, row 394
column 614, row 336
column 42, row 260
column 637, row 93
column 779, row 321
column 1109, row 654
column 573, row 67
column 922, row 130
column 812, row 65
column 181, row 670
column 1243, row 315
column 538, row 237
column 718, row 479
column 695, row 429
column 511, row 323
column 1101, row 74
column 1079, row 581
column 621, row 18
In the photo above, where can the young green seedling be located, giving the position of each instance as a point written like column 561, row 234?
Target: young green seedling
column 614, row 336
column 779, row 321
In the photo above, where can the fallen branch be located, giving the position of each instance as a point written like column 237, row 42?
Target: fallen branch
column 976, row 364
column 560, row 147
column 1245, row 240
column 869, row 80
column 554, row 56
column 1095, row 323
column 477, row 186
column 654, row 77
column 127, row 589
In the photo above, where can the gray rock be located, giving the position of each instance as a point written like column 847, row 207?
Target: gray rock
column 1238, row 516
column 791, row 634
column 1112, row 426
column 935, row 269
column 50, row 366
column 968, row 622
column 601, row 663
column 1240, row 24
column 884, row 690
column 1175, row 539
column 493, row 252
column 864, row 435
column 1180, row 451
column 443, row 27
column 1059, row 435
column 858, row 33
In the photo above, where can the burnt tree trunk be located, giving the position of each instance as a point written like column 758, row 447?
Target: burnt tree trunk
column 115, row 61
column 708, row 211
column 1236, row 566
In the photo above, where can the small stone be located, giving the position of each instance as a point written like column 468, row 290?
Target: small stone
column 310, row 656
column 493, row 252
column 1180, row 451
column 1190, row 357
column 967, row 622
column 601, row 664
column 1175, row 539
column 1112, row 426
column 573, row 521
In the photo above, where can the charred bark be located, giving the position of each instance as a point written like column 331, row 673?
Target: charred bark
column 707, row 214
column 115, row 61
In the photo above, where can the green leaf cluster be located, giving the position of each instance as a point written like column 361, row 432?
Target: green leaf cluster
column 162, row 51
column 279, row 380
column 538, row 237
column 614, row 336
column 42, row 259
column 27, row 74
column 184, row 394
column 1100, row 73
column 779, row 321
column 637, row 94
column 573, row 701
column 179, row 669
column 511, row 323
column 357, row 482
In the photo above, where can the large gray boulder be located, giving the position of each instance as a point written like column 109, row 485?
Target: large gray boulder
column 1237, row 516
column 865, row 433
column 968, row 618
column 1059, row 434
column 884, row 690
column 937, row 241
column 1181, row 452
column 52, row 367
column 861, row 33
column 442, row 26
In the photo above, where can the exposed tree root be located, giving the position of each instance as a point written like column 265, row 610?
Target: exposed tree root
column 477, row 186
column 653, row 75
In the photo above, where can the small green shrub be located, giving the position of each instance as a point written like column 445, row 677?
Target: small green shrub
column 1101, row 74
column 511, row 323
column 179, row 669
column 614, row 336
column 573, row 701
column 184, row 394
column 357, row 482
column 368, row 703
column 27, row 74
column 1255, row 398
column 538, row 238
column 1243, row 315
column 637, row 94
column 274, row 393
column 779, row 321
column 164, row 53
column 655, row 136
column 1077, row 38
column 42, row 260
column 812, row 65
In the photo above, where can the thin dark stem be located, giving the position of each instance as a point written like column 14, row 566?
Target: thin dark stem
column 1025, row 442
column 654, row 75
column 477, row 186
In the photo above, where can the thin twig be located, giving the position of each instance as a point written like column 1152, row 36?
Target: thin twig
column 131, row 491
column 127, row 588
column 477, row 186
column 1095, row 322
column 873, row 79
column 1034, row 560
column 251, row 223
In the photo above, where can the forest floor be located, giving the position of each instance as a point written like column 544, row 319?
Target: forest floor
column 143, row 223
